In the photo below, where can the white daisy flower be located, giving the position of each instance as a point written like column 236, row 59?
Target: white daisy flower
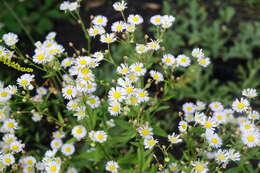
column 7, row 159
column 36, row 117
column 183, row 126
column 116, row 94
column 233, row 155
column 100, row 20
column 254, row 115
column 112, row 166
column 197, row 53
column 118, row 26
column 9, row 138
column 141, row 48
column 183, row 60
column 200, row 105
column 189, row 117
column 138, row 69
column 52, row 167
column 56, row 143
column 156, row 20
column 173, row 167
column 209, row 123
column 200, row 167
column 174, row 138
column 216, row 106
column 168, row 60
column 130, row 27
column 114, row 108
column 142, row 95
column 67, row 149
column 189, row 107
column 69, row 92
column 220, row 117
column 93, row 101
column 67, row 62
column 100, row 136
column 213, row 139
column 221, row 156
column 135, row 19
column 10, row 39
column 153, row 45
column 108, row 38
column 5, row 94
column 145, row 131
column 58, row 134
column 157, row 76
column 204, row 62
column 9, row 125
column 96, row 30
column 167, row 21
column 16, row 146
column 79, row 132
column 28, row 160
column 150, row 142
column 251, row 138
column 240, row 105
column 123, row 69
column 119, row 6
column 25, row 81
column 247, row 126
column 249, row 93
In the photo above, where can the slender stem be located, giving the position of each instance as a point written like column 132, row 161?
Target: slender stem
column 19, row 21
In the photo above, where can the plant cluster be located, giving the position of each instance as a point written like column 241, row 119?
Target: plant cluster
column 100, row 125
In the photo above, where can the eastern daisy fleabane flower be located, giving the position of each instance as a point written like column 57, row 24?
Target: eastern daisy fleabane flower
column 249, row 93
column 183, row 126
column 100, row 20
column 118, row 26
column 153, row 45
column 52, row 167
column 79, row 132
column 233, row 155
column 174, row 138
column 100, row 136
column 208, row 123
column 93, row 101
column 123, row 69
column 5, row 94
column 200, row 105
column 173, row 167
column 7, row 159
column 119, row 6
column 167, row 21
column 56, row 143
column 251, row 138
column 157, row 76
column 141, row 48
column 221, row 156
column 135, row 19
column 240, row 105
column 116, row 94
column 168, row 60
column 145, row 131
column 183, row 60
column 220, row 117
column 142, row 95
column 150, row 142
column 204, row 62
column 189, row 117
column 114, row 108
column 197, row 53
column 69, row 92
column 25, row 81
column 67, row 62
column 254, row 115
column 247, row 126
column 112, row 166
column 16, row 146
column 216, row 106
column 96, row 30
column 189, row 107
column 200, row 167
column 213, row 139
column 9, row 125
column 156, row 20
column 138, row 69
column 10, row 39
column 108, row 38
column 67, row 149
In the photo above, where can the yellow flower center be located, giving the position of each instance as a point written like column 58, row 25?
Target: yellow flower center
column 199, row 167
column 250, row 138
column 214, row 140
column 4, row 94
column 208, row 124
column 117, row 95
